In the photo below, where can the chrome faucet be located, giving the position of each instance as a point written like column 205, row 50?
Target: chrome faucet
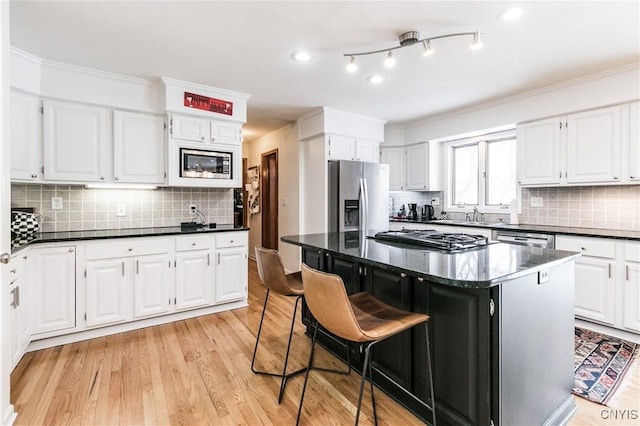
column 475, row 213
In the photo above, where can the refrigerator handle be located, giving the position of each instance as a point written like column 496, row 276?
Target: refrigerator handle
column 364, row 203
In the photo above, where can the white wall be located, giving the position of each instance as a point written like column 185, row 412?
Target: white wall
column 613, row 87
column 285, row 140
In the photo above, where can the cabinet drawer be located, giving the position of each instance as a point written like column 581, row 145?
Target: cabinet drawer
column 196, row 242
column 137, row 247
column 231, row 239
column 587, row 246
column 632, row 252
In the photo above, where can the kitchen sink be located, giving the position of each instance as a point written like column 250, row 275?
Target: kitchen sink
column 469, row 223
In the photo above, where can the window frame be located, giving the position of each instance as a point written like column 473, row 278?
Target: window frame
column 481, row 141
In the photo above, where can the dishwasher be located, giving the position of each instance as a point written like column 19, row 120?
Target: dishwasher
column 524, row 238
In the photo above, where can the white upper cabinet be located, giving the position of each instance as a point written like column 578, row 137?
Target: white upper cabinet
column 633, row 160
column 138, row 148
column 26, row 138
column 593, row 146
column 414, row 167
column 204, row 131
column 582, row 148
column 539, row 152
column 75, row 142
column 352, row 149
column 394, row 157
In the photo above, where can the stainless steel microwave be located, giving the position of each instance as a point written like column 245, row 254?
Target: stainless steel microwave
column 202, row 164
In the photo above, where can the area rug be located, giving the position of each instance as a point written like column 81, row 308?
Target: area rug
column 600, row 364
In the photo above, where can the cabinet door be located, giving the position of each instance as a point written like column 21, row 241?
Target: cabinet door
column 19, row 315
column 189, row 128
column 367, row 151
column 194, row 279
column 223, row 132
column 632, row 296
column 138, row 148
column 538, row 152
column 107, row 291
column 341, row 148
column 593, row 146
column 54, row 289
column 152, row 284
column 394, row 157
column 634, row 141
column 26, row 138
column 417, row 166
column 75, row 142
column 231, row 274
column 595, row 289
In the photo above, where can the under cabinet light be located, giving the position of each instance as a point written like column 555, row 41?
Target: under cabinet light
column 120, row 186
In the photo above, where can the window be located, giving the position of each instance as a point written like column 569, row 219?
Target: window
column 483, row 172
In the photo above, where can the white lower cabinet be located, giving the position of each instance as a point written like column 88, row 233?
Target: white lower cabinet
column 54, row 288
column 106, row 292
column 631, row 288
column 194, row 279
column 152, row 283
column 607, row 289
column 231, row 266
column 19, row 297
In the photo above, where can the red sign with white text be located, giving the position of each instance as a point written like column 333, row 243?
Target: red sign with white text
column 205, row 103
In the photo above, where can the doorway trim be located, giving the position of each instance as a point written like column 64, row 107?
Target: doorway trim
column 269, row 193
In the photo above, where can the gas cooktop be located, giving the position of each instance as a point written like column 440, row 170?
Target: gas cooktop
column 433, row 239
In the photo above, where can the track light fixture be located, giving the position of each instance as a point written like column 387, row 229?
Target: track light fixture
column 408, row 39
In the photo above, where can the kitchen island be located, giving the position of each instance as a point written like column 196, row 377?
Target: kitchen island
column 501, row 325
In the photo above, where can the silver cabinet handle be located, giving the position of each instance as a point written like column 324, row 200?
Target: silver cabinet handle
column 116, row 178
column 101, row 177
column 218, row 258
column 615, row 177
column 609, row 270
column 137, row 267
column 420, row 279
column 24, row 257
column 193, row 244
column 13, row 301
column 632, row 177
column 13, row 271
column 17, row 295
column 70, row 250
column 201, row 138
column 5, row 258
column 123, row 268
column 626, row 272
column 208, row 259
column 402, row 274
column 130, row 249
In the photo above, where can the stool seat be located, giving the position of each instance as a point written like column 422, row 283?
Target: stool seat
column 294, row 281
column 378, row 320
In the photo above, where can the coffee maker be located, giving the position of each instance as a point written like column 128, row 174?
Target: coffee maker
column 413, row 211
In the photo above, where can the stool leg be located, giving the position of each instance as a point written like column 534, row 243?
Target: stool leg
column 373, row 399
column 255, row 349
column 433, row 398
column 306, row 375
column 283, row 383
column 365, row 366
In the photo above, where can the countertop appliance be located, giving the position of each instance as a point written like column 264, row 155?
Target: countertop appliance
column 428, row 213
column 413, row 211
column 524, row 238
column 449, row 242
column 358, row 196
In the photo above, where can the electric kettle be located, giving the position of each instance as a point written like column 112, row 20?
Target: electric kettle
column 428, row 213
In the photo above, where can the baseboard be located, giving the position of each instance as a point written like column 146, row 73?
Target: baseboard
column 129, row 326
column 9, row 415
column 563, row 413
column 610, row 331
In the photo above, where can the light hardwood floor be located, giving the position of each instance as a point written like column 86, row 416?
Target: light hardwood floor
column 197, row 371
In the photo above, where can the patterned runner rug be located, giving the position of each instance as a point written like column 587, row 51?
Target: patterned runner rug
column 600, row 364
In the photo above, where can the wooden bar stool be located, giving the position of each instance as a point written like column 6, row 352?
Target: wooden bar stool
column 358, row 318
column 274, row 277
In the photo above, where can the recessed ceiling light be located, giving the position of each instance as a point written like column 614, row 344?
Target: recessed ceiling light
column 512, row 13
column 375, row 79
column 301, row 56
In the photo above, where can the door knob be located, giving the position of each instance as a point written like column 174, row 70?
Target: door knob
column 5, row 258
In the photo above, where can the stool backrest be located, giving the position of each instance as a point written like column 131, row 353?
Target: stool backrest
column 271, row 271
column 329, row 303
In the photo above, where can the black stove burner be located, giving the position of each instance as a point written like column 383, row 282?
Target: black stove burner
column 433, row 239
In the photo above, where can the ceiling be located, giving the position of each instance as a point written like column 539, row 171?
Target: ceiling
column 245, row 46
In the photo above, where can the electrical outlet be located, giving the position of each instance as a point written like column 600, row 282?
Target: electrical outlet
column 192, row 209
column 536, row 202
column 122, row 210
column 56, row 203
column 435, row 201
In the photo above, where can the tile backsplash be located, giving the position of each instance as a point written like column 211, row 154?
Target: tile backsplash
column 609, row 207
column 90, row 209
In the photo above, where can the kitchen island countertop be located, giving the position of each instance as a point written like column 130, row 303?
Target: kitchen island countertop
column 482, row 267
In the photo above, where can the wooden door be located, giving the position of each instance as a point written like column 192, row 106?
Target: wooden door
column 270, row 199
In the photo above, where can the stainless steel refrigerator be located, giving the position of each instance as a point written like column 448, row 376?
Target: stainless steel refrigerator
column 358, row 197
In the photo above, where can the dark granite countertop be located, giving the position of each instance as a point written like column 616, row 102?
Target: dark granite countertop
column 20, row 241
column 546, row 229
column 483, row 267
